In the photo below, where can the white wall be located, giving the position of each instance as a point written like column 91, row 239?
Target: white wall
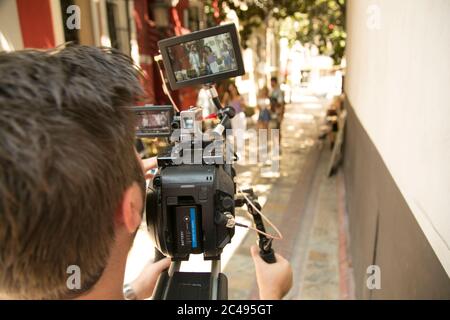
column 57, row 22
column 398, row 81
column 10, row 34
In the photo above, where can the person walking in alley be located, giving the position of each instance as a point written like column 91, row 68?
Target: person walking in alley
column 277, row 104
column 333, row 112
column 263, row 122
column 239, row 121
column 264, row 108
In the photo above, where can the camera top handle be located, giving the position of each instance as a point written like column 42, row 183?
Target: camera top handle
column 225, row 113
column 214, row 95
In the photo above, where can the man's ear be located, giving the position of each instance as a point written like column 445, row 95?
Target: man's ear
column 130, row 213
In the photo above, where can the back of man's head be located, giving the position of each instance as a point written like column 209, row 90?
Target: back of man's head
column 66, row 157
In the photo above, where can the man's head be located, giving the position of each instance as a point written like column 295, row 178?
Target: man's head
column 274, row 82
column 67, row 163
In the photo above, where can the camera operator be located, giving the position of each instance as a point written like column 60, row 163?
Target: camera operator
column 71, row 184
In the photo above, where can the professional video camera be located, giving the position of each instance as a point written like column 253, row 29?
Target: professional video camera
column 190, row 206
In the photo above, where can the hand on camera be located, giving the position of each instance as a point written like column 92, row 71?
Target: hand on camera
column 149, row 164
column 274, row 280
column 145, row 283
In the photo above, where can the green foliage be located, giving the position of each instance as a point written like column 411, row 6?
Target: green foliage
column 318, row 22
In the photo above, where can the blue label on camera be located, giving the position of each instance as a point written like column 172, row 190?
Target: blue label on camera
column 193, row 227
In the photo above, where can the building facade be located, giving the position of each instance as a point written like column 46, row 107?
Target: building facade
column 397, row 149
column 131, row 26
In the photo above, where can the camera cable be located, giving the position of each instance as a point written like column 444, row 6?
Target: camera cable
column 231, row 222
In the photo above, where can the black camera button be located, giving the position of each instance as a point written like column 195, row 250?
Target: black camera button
column 171, row 201
column 227, row 203
column 203, row 193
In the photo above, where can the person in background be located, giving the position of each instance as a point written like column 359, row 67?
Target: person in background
column 239, row 122
column 332, row 118
column 204, row 60
column 264, row 108
column 277, row 103
column 211, row 59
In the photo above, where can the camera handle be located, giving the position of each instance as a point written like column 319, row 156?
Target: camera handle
column 225, row 113
column 265, row 244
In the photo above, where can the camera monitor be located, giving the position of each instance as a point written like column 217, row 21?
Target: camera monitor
column 202, row 57
column 153, row 121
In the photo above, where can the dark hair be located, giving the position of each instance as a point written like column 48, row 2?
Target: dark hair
column 235, row 88
column 66, row 157
column 274, row 79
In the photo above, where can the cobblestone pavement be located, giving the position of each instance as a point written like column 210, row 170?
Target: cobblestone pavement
column 302, row 202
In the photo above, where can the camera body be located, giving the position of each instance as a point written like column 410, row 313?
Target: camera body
column 186, row 208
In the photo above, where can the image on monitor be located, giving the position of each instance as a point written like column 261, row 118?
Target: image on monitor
column 153, row 121
column 203, row 57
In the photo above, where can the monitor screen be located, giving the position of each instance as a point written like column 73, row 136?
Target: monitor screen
column 204, row 57
column 153, row 121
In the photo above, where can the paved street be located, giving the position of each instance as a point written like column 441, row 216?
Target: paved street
column 303, row 203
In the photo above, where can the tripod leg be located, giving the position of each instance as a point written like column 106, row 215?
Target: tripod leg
column 163, row 283
column 218, row 283
column 215, row 271
column 174, row 267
